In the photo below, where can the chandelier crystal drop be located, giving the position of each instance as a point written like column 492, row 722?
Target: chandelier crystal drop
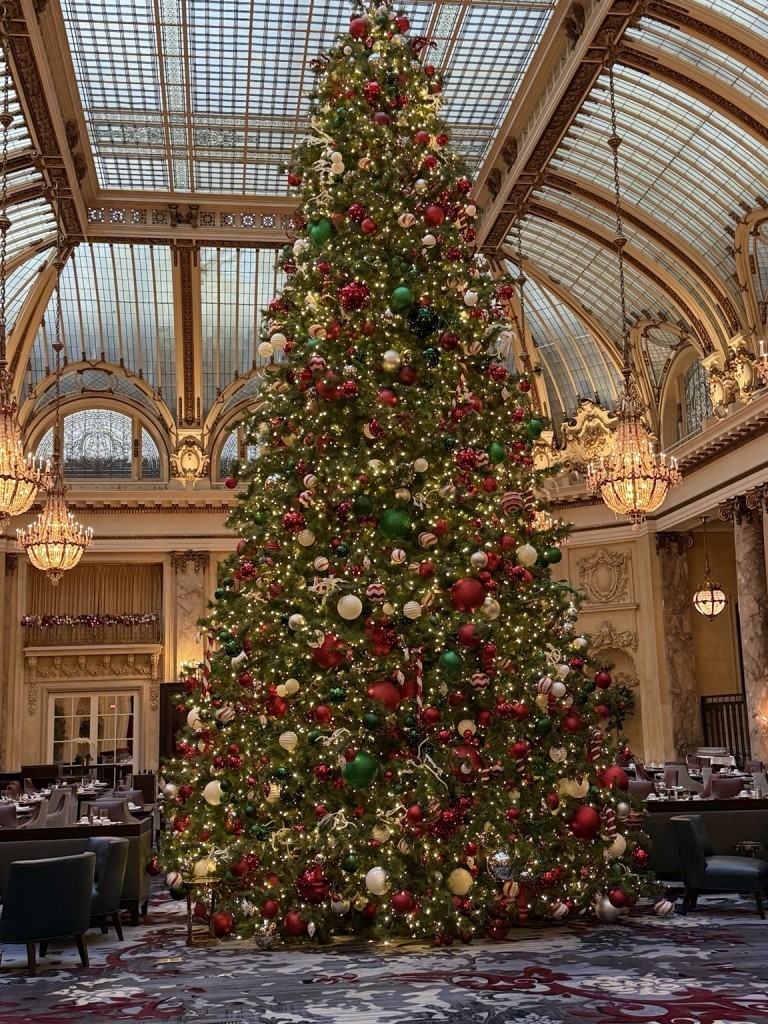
column 633, row 480
column 709, row 600
column 55, row 542
column 20, row 475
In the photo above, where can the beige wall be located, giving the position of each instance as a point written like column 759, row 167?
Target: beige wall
column 715, row 643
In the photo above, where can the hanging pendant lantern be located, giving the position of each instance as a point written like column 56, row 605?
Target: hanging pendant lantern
column 709, row 600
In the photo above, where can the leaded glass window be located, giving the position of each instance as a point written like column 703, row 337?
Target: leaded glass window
column 698, row 405
column 150, row 457
column 236, row 450
column 98, row 443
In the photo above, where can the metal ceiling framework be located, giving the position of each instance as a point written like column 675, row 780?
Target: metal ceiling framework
column 527, row 107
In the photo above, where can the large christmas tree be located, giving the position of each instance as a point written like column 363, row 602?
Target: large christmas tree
column 399, row 734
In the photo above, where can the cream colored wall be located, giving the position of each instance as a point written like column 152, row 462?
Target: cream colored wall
column 715, row 642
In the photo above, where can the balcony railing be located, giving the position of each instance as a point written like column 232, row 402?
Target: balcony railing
column 80, row 631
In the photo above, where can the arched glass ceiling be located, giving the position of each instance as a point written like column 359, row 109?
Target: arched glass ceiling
column 656, row 344
column 236, row 286
column 682, row 162
column 18, row 285
column 31, row 221
column 209, row 97
column 721, row 65
column 590, row 273
column 639, row 245
column 750, row 13
column 759, row 266
column 573, row 361
column 117, row 306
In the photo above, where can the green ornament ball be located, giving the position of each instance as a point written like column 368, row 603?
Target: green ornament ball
column 178, row 892
column 283, row 772
column 223, row 637
column 401, row 299
column 450, row 662
column 395, row 523
column 219, row 593
column 496, row 453
column 232, row 649
column 370, row 720
column 553, row 555
column 342, row 549
column 321, row 231
column 543, row 726
column 226, row 785
column 362, row 505
column 227, row 582
column 360, row 773
column 534, row 428
column 422, row 321
column 314, row 735
column 338, row 694
column 350, row 863
column 431, row 356
column 249, row 811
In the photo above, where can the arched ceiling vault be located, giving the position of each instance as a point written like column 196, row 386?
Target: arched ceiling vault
column 164, row 136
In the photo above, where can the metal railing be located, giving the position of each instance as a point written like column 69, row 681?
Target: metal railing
column 725, row 722
column 81, row 635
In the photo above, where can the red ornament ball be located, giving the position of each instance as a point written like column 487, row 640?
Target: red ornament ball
column 585, row 822
column 240, row 868
column 269, row 909
column 294, row 924
column 640, row 858
column 330, row 653
column 402, row 902
column 358, row 28
column 431, row 716
column 354, row 296
column 386, row 693
column 231, row 482
column 603, row 679
column 381, row 119
column 322, row 714
column 355, row 212
column 222, row 924
column 615, row 778
column 422, row 138
column 620, row 899
column 434, row 215
column 497, row 929
column 467, row 595
column 414, row 814
column 294, row 179
column 368, row 224
column 313, row 886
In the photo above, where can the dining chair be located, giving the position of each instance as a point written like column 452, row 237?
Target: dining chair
column 111, row 862
column 684, row 779
column 62, row 808
column 760, row 781
column 29, row 786
column 38, row 817
column 14, row 789
column 704, row 762
column 8, row 816
column 706, row 781
column 46, row 900
column 640, row 772
column 753, row 766
column 702, row 871
column 116, row 809
column 671, row 772
column 641, row 787
column 726, row 789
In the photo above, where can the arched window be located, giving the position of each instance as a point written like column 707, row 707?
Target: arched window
column 698, row 405
column 104, row 444
column 236, row 450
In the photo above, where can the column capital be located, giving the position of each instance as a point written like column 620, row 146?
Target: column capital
column 757, row 498
column 673, row 543
column 735, row 510
column 200, row 559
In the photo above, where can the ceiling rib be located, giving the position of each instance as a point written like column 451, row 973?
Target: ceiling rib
column 715, row 29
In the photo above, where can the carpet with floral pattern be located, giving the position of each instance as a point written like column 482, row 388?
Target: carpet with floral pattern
column 707, row 967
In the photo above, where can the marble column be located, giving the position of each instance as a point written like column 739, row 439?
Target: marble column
column 190, row 601
column 684, row 704
column 752, row 589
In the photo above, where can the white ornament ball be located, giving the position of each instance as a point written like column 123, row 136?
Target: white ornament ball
column 296, row 622
column 391, row 360
column 340, row 907
column 510, row 890
column 470, row 298
column 478, row 559
column 377, row 881
column 288, row 740
column 347, row 51
column 194, row 721
column 466, row 725
column 278, row 341
column 559, row 911
column 420, row 465
column 349, row 606
column 558, row 754
column 171, row 790
column 336, row 157
column 427, row 539
column 173, row 878
column 398, row 556
column 664, row 908
column 579, row 643
column 388, row 609
column 491, row 608
column 266, row 349
column 479, row 681
column 526, row 554
column 212, row 793
column 291, row 686
column 306, row 538
column 272, row 794
column 470, row 210
column 617, row 848
column 460, row 881
column 606, row 911
column 563, row 670
column 623, row 810
column 412, row 609
column 558, row 689
column 406, row 219
column 310, row 481
column 381, row 833
column 429, row 240
column 321, row 563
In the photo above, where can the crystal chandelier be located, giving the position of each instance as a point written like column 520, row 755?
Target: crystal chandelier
column 55, row 542
column 20, row 474
column 633, row 479
column 762, row 364
column 709, row 599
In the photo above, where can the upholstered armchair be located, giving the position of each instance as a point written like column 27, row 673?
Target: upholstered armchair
column 701, row 871
column 725, row 788
column 62, row 807
column 111, row 860
column 8, row 816
column 641, row 787
column 38, row 816
column 116, row 809
column 48, row 899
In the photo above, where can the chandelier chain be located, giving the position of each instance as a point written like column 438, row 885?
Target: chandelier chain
column 620, row 240
column 6, row 120
column 521, row 278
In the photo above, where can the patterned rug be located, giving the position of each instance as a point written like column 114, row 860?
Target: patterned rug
column 708, row 967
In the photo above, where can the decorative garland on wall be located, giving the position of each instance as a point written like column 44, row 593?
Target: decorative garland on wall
column 93, row 621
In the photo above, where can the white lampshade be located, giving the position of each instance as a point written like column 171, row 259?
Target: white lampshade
column 710, row 600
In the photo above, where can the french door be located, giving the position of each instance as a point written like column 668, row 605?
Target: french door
column 90, row 727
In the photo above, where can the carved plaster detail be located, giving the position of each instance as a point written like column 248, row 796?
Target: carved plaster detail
column 200, row 559
column 608, row 636
column 588, row 436
column 735, row 510
column 604, row 576
column 189, row 461
column 673, row 543
column 11, row 564
column 88, row 666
